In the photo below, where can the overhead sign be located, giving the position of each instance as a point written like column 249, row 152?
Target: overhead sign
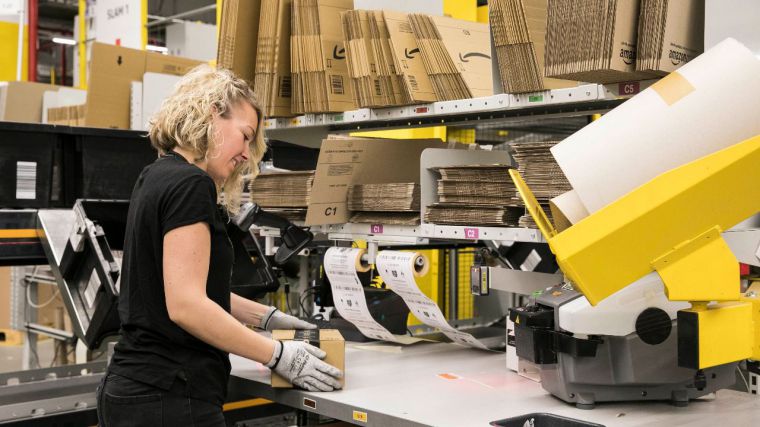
column 119, row 22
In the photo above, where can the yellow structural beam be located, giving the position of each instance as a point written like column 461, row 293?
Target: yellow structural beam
column 144, row 20
column 82, row 44
column 9, row 50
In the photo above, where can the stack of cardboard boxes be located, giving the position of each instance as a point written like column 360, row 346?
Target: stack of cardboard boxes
column 592, row 40
column 318, row 57
column 671, row 33
column 456, row 54
column 272, row 82
column 238, row 35
column 519, row 30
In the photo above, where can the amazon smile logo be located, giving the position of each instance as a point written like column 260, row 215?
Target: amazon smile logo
column 464, row 57
column 339, row 53
column 410, row 53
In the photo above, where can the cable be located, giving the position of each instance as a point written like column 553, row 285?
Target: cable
column 44, row 304
column 743, row 378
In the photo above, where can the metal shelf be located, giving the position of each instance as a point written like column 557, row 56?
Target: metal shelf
column 310, row 129
column 418, row 234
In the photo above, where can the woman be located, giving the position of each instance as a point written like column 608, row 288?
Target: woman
column 179, row 320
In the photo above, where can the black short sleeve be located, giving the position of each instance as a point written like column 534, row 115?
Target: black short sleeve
column 170, row 193
column 190, row 201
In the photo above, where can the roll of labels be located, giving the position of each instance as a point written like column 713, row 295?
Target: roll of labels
column 398, row 270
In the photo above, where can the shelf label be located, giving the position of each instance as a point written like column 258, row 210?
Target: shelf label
column 535, row 98
column 376, row 229
column 360, row 416
column 294, row 121
column 421, row 110
column 338, row 118
column 471, row 233
column 628, row 88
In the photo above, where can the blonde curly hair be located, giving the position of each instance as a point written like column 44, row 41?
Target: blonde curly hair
column 185, row 120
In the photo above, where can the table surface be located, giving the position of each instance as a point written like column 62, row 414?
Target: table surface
column 448, row 385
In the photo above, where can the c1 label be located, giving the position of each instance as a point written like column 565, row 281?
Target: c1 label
column 376, row 229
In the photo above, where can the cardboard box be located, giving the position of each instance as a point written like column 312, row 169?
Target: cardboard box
column 238, row 36
column 273, row 82
column 347, row 161
column 318, row 57
column 406, row 59
column 670, row 34
column 329, row 340
column 592, row 41
column 112, row 69
column 518, row 28
column 22, row 101
column 67, row 116
column 457, row 55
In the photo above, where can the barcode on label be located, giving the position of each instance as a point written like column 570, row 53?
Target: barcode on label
column 413, row 82
column 285, row 87
column 26, row 180
column 336, row 83
column 378, row 89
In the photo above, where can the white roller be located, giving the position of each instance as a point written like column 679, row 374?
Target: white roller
column 645, row 136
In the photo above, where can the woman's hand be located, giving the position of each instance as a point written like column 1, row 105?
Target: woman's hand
column 275, row 319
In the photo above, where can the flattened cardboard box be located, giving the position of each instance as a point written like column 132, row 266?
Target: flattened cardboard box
column 238, row 36
column 112, row 69
column 343, row 162
column 407, row 58
column 22, row 101
column 329, row 340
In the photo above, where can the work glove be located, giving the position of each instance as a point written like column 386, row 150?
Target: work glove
column 275, row 319
column 300, row 363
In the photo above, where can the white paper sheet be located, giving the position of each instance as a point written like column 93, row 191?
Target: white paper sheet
column 397, row 272
column 645, row 136
column 348, row 295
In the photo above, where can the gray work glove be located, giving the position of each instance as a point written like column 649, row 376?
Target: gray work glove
column 300, row 363
column 275, row 319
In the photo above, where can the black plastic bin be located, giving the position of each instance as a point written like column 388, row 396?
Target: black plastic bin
column 31, row 159
column 108, row 162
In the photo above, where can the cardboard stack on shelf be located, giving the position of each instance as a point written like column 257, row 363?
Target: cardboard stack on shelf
column 284, row 193
column 542, row 174
column 519, row 30
column 399, row 57
column 370, row 88
column 272, row 81
column 396, row 203
column 592, row 40
column 456, row 54
column 238, row 35
column 670, row 34
column 475, row 195
column 318, row 57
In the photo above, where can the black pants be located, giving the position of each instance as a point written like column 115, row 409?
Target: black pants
column 123, row 402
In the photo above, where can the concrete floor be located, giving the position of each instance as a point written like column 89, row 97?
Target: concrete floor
column 11, row 356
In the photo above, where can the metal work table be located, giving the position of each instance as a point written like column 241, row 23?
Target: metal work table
column 404, row 387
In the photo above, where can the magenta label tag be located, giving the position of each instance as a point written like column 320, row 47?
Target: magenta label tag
column 376, row 228
column 471, row 233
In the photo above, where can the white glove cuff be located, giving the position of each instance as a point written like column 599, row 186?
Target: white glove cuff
column 276, row 355
column 267, row 317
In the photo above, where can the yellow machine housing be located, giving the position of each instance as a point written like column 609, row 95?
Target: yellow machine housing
column 672, row 224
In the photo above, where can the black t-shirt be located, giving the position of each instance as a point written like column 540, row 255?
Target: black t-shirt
column 170, row 193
